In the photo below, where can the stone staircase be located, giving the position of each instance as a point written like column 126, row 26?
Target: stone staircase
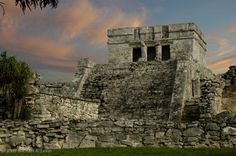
column 132, row 90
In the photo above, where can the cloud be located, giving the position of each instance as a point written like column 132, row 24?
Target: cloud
column 98, row 33
column 224, row 55
column 83, row 19
column 54, row 37
column 231, row 28
column 77, row 18
column 222, row 64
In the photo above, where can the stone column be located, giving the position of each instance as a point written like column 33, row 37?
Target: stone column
column 144, row 51
column 158, row 52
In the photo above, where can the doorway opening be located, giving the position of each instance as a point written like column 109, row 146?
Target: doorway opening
column 165, row 52
column 151, row 53
column 137, row 54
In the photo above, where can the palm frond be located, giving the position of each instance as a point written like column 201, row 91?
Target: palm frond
column 28, row 4
column 2, row 6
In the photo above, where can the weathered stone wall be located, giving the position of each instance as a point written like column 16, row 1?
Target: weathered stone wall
column 229, row 98
column 56, row 134
column 60, row 101
column 209, row 103
column 229, row 93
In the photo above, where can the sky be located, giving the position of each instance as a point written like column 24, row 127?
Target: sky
column 52, row 40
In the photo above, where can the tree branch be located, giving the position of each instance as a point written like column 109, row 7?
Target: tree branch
column 2, row 6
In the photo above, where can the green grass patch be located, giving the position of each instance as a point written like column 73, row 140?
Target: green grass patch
column 131, row 152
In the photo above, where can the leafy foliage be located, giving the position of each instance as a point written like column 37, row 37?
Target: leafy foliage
column 14, row 77
column 29, row 4
column 24, row 4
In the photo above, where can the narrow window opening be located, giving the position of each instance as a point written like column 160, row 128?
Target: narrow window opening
column 165, row 52
column 137, row 54
column 151, row 53
column 195, row 88
column 165, row 31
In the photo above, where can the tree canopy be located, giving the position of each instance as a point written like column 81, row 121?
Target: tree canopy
column 24, row 4
column 14, row 78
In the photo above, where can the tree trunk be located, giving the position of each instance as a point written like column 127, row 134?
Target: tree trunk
column 16, row 105
column 19, row 107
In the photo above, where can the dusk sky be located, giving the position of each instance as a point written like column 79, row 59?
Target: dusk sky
column 52, row 40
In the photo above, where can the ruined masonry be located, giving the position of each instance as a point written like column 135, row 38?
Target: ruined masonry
column 155, row 91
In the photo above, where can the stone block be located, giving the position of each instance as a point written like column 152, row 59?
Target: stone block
column 212, row 127
column 4, row 147
column 43, row 126
column 46, row 139
column 88, row 142
column 118, row 32
column 131, row 143
column 174, row 134
column 148, row 140
column 229, row 131
column 117, row 129
column 52, row 145
column 73, row 140
column 160, row 135
column 107, row 138
column 17, row 140
column 39, row 142
column 28, row 141
column 120, row 123
column 192, row 132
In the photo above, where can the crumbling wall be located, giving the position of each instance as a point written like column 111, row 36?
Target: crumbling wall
column 218, row 94
column 229, row 93
column 59, row 101
column 209, row 101
column 35, row 135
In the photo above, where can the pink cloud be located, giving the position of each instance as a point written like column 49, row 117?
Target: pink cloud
column 224, row 56
column 99, row 33
column 231, row 28
column 221, row 66
column 50, row 34
column 85, row 20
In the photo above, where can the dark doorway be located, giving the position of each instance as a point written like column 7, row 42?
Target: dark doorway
column 165, row 52
column 137, row 53
column 151, row 53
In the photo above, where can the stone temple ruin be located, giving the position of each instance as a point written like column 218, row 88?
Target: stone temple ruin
column 155, row 91
column 154, row 72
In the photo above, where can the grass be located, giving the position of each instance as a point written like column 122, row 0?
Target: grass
column 131, row 152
